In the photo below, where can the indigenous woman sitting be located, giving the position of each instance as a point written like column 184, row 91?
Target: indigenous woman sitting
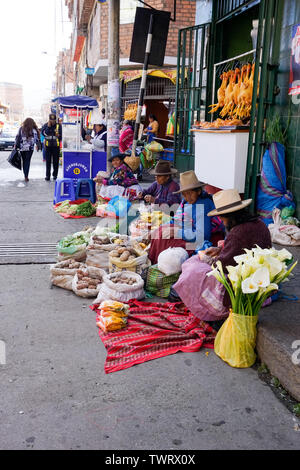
column 203, row 295
column 121, row 177
column 164, row 190
column 191, row 226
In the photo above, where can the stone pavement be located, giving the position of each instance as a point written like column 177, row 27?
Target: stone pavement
column 55, row 394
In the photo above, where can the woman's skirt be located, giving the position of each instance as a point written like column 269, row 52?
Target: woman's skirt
column 202, row 295
column 116, row 190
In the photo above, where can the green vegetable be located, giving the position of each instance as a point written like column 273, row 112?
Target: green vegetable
column 86, row 209
column 63, row 207
column 287, row 212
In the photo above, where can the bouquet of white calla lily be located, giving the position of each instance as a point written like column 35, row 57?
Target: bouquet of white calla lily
column 261, row 277
column 256, row 276
column 249, row 286
column 258, row 271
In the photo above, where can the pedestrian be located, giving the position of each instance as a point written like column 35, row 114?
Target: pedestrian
column 52, row 132
column 27, row 137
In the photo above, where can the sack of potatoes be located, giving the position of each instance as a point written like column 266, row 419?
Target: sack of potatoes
column 86, row 282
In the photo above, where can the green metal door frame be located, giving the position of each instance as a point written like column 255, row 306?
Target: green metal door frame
column 268, row 44
column 191, row 89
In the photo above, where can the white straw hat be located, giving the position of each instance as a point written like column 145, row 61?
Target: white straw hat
column 188, row 181
column 227, row 201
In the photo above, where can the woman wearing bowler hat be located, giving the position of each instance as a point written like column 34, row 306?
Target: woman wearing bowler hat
column 204, row 296
column 121, row 177
column 163, row 189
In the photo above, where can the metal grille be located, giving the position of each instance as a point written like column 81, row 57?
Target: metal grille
column 223, row 8
column 161, row 88
column 191, row 91
column 28, row 252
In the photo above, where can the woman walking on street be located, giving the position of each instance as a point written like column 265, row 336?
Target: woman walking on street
column 27, row 137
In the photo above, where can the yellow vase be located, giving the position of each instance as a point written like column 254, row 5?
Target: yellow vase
column 236, row 340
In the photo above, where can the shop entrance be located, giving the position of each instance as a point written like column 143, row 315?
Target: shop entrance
column 237, row 28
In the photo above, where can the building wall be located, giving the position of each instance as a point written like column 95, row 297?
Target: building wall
column 284, row 102
column 185, row 16
column 12, row 94
column 93, row 41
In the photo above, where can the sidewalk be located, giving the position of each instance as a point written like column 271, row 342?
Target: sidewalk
column 55, row 394
column 279, row 328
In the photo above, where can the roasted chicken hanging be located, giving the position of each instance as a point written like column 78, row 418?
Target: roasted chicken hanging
column 235, row 93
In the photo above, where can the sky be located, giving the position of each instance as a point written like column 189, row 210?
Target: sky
column 29, row 28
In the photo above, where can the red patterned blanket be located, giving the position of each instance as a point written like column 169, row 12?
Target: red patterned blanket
column 154, row 330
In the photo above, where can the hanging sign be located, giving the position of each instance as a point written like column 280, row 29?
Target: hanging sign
column 77, row 165
column 294, row 88
column 72, row 112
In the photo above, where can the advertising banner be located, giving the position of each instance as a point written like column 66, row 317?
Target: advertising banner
column 77, row 165
column 295, row 62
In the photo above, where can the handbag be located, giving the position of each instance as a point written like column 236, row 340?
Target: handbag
column 15, row 159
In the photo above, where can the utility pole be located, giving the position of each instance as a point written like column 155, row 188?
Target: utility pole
column 113, row 99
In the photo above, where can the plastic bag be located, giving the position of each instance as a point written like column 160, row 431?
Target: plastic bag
column 62, row 273
column 110, row 323
column 74, row 246
column 121, row 292
column 158, row 283
column 283, row 234
column 112, row 315
column 235, row 341
column 96, row 274
column 137, row 265
column 155, row 146
column 170, row 261
column 119, row 205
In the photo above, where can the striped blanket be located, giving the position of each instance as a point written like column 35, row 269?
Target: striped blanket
column 154, row 330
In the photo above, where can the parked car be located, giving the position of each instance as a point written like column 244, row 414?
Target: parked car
column 7, row 140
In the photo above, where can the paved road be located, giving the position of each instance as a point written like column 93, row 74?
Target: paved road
column 54, row 392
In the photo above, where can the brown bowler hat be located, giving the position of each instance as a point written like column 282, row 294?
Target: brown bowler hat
column 163, row 168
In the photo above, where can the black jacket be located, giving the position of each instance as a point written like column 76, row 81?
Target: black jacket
column 49, row 132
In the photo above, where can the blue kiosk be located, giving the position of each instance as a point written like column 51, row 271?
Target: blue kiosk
column 78, row 159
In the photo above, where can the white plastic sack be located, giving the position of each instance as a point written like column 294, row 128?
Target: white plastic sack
column 98, row 255
column 121, row 292
column 170, row 261
column 65, row 282
column 283, row 234
column 92, row 272
column 62, row 273
column 111, row 191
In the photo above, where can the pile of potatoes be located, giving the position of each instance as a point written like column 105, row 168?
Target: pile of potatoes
column 121, row 279
column 85, row 281
column 97, row 240
column 69, row 264
column 124, row 254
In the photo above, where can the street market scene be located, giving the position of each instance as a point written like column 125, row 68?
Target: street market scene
column 150, row 228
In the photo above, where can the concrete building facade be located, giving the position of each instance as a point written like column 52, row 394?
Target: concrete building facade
column 11, row 95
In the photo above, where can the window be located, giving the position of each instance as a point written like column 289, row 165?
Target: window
column 127, row 11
